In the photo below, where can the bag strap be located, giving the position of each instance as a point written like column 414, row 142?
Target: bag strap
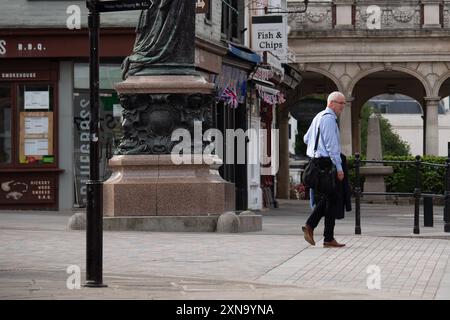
column 317, row 140
column 318, row 134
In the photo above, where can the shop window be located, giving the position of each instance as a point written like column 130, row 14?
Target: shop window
column 36, row 124
column 5, row 125
column 109, row 74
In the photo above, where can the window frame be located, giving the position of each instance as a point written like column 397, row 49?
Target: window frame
column 12, row 125
column 208, row 14
column 227, row 21
column 15, row 126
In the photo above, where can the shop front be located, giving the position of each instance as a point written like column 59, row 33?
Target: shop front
column 44, row 114
column 29, row 164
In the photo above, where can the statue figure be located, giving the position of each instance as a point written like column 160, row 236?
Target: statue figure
column 164, row 43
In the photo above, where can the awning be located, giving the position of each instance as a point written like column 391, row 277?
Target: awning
column 270, row 95
column 266, row 89
column 244, row 53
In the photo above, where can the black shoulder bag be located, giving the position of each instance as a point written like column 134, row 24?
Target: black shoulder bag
column 310, row 176
column 322, row 180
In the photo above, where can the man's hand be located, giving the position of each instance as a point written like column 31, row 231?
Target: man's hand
column 340, row 175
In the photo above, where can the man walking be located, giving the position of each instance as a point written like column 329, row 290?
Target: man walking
column 328, row 152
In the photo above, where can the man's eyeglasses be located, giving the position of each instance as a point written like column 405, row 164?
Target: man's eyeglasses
column 339, row 102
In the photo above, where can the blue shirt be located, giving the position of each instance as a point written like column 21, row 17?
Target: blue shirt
column 330, row 140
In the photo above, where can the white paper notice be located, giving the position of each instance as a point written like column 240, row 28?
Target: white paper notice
column 37, row 100
column 36, row 147
column 36, row 125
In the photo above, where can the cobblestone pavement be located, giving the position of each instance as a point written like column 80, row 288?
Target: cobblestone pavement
column 275, row 263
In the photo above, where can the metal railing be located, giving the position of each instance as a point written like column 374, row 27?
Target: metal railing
column 417, row 194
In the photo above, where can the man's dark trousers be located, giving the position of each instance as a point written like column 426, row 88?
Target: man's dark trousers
column 325, row 206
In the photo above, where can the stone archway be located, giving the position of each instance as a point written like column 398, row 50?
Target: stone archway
column 380, row 82
column 311, row 97
column 444, row 119
column 313, row 82
column 405, row 116
column 442, row 88
column 387, row 68
column 328, row 74
column 346, row 75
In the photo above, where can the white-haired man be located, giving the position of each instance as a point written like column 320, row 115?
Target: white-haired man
column 323, row 134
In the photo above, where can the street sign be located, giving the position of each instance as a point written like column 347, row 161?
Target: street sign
column 201, row 6
column 269, row 33
column 122, row 5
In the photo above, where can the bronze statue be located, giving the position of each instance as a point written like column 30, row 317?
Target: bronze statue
column 164, row 40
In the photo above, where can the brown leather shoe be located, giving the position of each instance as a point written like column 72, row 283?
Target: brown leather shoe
column 308, row 232
column 333, row 244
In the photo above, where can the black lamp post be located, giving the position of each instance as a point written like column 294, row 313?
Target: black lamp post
column 94, row 212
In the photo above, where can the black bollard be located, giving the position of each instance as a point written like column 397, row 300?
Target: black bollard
column 357, row 195
column 417, row 194
column 447, row 196
column 427, row 211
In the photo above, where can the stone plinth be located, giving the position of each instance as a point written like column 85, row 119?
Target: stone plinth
column 375, row 181
column 152, row 185
column 374, row 172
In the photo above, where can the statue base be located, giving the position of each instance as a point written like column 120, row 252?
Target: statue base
column 152, row 185
column 148, row 190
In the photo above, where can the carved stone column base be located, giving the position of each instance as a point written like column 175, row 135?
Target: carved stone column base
column 152, row 185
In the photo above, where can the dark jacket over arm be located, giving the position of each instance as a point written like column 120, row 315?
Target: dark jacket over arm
column 344, row 197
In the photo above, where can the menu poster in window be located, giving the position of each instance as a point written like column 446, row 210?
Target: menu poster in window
column 36, row 147
column 36, row 126
column 36, row 137
column 37, row 100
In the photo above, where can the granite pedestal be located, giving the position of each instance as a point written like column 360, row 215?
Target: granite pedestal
column 152, row 185
column 150, row 193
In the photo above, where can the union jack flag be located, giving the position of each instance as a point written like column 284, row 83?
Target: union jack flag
column 230, row 97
